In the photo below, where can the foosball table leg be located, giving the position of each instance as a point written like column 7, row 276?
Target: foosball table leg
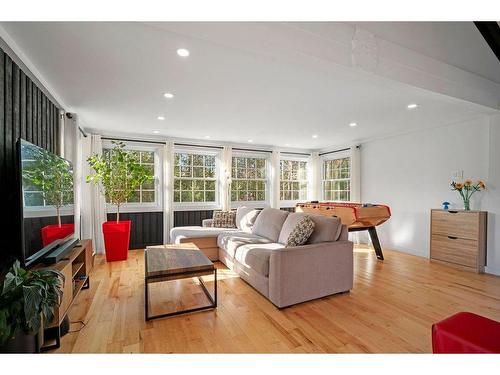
column 376, row 243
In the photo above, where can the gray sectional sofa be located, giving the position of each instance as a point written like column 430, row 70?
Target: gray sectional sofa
column 255, row 250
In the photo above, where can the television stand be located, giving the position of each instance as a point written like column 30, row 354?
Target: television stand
column 75, row 266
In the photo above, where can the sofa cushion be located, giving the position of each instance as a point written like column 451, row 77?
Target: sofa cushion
column 229, row 242
column 326, row 229
column 301, row 233
column 269, row 223
column 224, row 219
column 186, row 232
column 256, row 256
column 245, row 218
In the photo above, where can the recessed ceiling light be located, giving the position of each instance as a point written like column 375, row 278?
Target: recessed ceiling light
column 250, row 140
column 161, row 118
column 412, row 106
column 315, row 136
column 207, row 136
column 353, row 124
column 287, row 144
column 168, row 95
column 156, row 131
column 182, row 52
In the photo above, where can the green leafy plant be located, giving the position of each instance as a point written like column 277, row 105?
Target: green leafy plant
column 118, row 173
column 27, row 297
column 51, row 175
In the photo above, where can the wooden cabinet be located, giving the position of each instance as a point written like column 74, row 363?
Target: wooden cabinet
column 75, row 267
column 458, row 238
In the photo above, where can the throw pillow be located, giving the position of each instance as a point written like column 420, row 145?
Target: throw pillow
column 301, row 233
column 224, row 219
column 245, row 218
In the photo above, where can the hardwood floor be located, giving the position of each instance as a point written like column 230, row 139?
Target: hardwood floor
column 390, row 309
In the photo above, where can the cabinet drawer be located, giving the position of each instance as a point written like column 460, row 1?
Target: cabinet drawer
column 455, row 250
column 457, row 224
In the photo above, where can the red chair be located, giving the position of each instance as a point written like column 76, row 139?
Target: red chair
column 466, row 333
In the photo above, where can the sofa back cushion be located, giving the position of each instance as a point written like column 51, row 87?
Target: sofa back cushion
column 326, row 229
column 224, row 219
column 269, row 223
column 245, row 218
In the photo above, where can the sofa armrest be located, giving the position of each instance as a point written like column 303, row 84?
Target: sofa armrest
column 207, row 223
column 302, row 273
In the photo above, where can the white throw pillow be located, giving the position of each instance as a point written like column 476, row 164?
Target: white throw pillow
column 245, row 218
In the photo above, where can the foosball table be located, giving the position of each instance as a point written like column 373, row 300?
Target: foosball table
column 356, row 216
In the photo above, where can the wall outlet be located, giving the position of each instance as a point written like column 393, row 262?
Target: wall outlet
column 457, row 175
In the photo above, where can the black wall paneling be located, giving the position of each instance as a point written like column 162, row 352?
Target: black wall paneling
column 27, row 113
column 147, row 228
column 187, row 218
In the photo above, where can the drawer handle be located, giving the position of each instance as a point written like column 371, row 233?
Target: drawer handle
column 452, row 237
column 452, row 212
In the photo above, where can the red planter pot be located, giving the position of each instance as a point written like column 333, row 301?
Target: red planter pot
column 116, row 239
column 53, row 232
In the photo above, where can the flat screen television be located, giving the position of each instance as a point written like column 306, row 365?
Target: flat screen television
column 47, row 202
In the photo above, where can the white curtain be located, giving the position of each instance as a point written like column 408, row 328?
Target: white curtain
column 71, row 150
column 355, row 174
column 225, row 177
column 93, row 206
column 315, row 179
column 168, row 189
column 275, row 179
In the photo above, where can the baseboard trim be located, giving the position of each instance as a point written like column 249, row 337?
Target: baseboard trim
column 492, row 271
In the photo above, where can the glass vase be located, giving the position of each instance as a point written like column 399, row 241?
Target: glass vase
column 466, row 204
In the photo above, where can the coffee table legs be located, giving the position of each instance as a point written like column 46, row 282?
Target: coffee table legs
column 212, row 305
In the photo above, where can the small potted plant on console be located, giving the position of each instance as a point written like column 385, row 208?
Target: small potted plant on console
column 118, row 174
column 27, row 299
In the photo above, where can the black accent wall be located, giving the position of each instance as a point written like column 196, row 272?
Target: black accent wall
column 147, row 228
column 25, row 112
column 186, row 218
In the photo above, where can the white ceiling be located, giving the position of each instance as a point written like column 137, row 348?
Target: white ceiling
column 114, row 74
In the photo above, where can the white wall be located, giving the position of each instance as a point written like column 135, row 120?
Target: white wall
column 493, row 198
column 411, row 173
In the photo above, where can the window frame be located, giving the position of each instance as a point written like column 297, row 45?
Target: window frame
column 293, row 202
column 156, row 206
column 252, row 154
column 336, row 156
column 194, row 206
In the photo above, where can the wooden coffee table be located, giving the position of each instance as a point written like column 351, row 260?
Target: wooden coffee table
column 175, row 262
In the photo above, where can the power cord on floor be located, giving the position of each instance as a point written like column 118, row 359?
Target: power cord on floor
column 83, row 325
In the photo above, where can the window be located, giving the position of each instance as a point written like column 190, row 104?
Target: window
column 249, row 179
column 195, row 178
column 337, row 179
column 293, row 180
column 146, row 193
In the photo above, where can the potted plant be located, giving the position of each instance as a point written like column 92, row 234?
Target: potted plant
column 466, row 189
column 27, row 299
column 118, row 174
column 53, row 177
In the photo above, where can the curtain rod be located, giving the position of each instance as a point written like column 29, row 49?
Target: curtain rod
column 201, row 146
column 83, row 133
column 295, row 153
column 251, row 150
column 132, row 140
column 335, row 151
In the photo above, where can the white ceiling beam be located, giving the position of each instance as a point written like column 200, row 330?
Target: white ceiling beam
column 348, row 46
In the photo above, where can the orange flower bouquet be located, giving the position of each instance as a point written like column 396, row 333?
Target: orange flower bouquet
column 466, row 189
